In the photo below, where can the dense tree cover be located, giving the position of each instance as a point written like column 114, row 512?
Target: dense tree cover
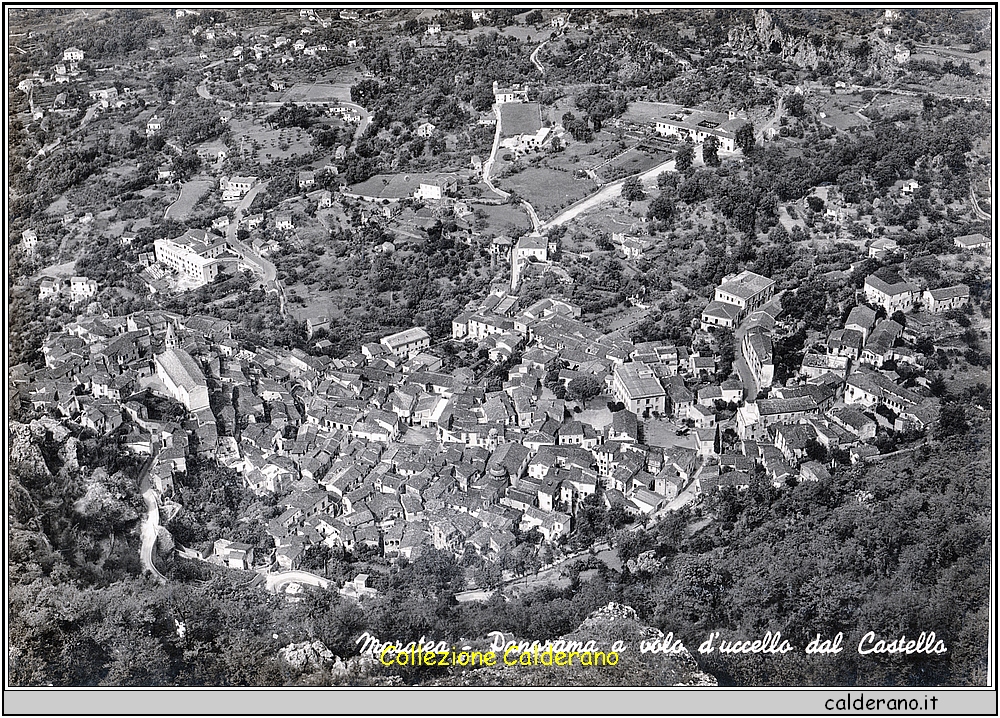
column 901, row 546
column 628, row 59
column 254, row 310
column 427, row 286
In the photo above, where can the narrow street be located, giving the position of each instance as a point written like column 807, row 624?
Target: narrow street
column 534, row 59
column 150, row 523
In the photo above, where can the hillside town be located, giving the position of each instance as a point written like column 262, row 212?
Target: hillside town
column 382, row 449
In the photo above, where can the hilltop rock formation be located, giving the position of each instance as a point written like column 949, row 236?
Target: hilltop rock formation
column 614, row 622
column 766, row 34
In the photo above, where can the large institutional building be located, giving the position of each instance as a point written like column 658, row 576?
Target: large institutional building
column 194, row 255
column 635, row 385
column 737, row 296
column 183, row 378
column 696, row 125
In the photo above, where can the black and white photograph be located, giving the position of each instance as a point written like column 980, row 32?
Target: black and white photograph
column 463, row 348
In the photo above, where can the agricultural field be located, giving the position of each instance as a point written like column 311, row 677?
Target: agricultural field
column 503, row 219
column 548, row 191
column 271, row 145
column 191, row 193
column 339, row 91
column 840, row 110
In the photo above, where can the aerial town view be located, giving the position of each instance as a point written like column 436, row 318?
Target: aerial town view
column 333, row 331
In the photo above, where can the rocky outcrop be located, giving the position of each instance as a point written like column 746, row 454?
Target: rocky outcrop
column 644, row 563
column 42, row 448
column 25, row 455
column 765, row 35
column 604, row 627
column 308, row 655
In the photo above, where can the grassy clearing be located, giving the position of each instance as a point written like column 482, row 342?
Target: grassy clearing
column 191, row 193
column 548, row 190
column 339, row 91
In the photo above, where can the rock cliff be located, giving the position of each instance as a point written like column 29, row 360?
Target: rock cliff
column 614, row 622
column 765, row 34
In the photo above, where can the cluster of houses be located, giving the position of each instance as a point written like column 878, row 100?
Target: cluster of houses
column 47, row 90
column 76, row 289
column 333, row 438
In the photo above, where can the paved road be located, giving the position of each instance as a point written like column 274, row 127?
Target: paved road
column 534, row 59
column 605, row 194
column 977, row 210
column 150, row 523
column 87, row 117
column 275, row 580
column 202, row 91
column 488, row 165
column 268, row 271
column 536, row 223
column 266, row 268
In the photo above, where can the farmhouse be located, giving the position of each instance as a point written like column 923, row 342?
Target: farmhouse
column 514, row 93
column 941, row 300
column 881, row 247
column 436, row 188
column 895, row 296
column 972, row 241
column 696, row 125
column 283, row 221
column 386, row 189
column 237, row 186
column 871, row 388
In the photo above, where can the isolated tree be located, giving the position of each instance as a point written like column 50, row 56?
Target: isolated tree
column 816, row 204
column 685, row 157
column 662, row 207
column 938, row 387
column 632, row 190
column 710, row 151
column 745, row 139
column 795, row 104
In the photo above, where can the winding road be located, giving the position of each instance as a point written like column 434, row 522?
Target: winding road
column 267, row 270
column 605, row 194
column 536, row 223
column 977, row 210
column 276, row 580
column 150, row 523
column 535, row 61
